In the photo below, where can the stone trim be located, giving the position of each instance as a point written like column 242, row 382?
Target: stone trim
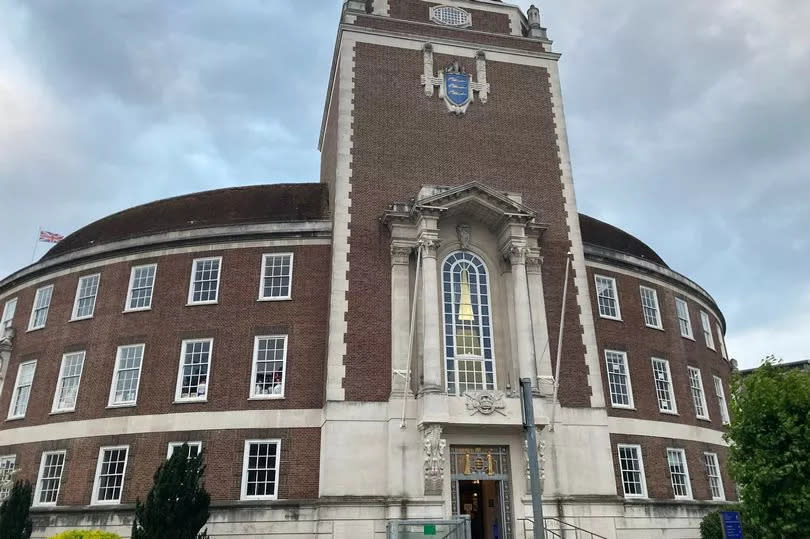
column 339, row 303
column 662, row 429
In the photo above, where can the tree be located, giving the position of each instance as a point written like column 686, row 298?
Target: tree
column 177, row 505
column 15, row 521
column 770, row 449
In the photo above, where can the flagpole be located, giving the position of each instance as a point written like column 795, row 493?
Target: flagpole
column 36, row 244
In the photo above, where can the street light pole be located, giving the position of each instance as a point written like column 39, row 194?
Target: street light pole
column 530, row 433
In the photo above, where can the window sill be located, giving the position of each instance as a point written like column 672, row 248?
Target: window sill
column 138, row 310
column 61, row 412
column 124, row 405
column 286, row 298
column 623, row 407
column 29, row 330
column 257, row 498
column 654, row 327
column 637, row 497
column 266, row 397
column 96, row 503
column 197, row 303
column 688, row 337
column 81, row 318
column 615, row 319
column 189, row 401
column 667, row 412
column 15, row 418
column 704, row 419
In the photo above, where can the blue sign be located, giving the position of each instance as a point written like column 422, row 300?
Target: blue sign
column 457, row 88
column 732, row 525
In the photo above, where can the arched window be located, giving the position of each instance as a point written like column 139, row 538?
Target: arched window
column 467, row 324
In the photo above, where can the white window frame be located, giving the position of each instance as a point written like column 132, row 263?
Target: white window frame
column 628, row 383
column 707, row 330
column 688, row 320
column 61, row 380
column 15, row 393
column 6, row 472
column 111, row 403
column 721, row 400
column 74, row 313
column 130, row 289
column 640, row 458
column 715, row 462
column 9, row 310
column 38, row 489
column 262, row 277
column 254, row 365
column 34, row 309
column 175, row 445
column 615, row 288
column 685, row 464
column 670, row 385
column 243, row 489
column 464, row 17
column 656, row 307
column 94, row 499
column 721, row 340
column 178, row 397
column 692, row 388
column 191, row 281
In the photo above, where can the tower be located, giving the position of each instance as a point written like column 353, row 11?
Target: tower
column 444, row 146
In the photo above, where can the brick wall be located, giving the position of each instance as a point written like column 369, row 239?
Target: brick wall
column 403, row 140
column 656, row 466
column 232, row 324
column 224, row 450
column 419, row 11
column 642, row 343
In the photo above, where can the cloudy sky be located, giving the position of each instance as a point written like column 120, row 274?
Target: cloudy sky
column 689, row 124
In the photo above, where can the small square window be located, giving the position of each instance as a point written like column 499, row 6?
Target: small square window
column 39, row 311
column 141, row 287
column 84, row 306
column 607, row 298
column 204, row 286
column 276, row 281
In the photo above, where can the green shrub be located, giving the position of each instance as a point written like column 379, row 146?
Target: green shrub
column 15, row 522
column 86, row 534
column 711, row 527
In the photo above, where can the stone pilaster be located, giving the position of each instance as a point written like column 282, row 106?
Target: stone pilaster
column 516, row 253
column 401, row 304
column 6, row 345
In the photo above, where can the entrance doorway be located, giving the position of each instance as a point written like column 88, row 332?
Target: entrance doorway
column 482, row 500
column 481, row 488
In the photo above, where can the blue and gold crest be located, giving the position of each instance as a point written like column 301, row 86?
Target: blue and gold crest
column 457, row 88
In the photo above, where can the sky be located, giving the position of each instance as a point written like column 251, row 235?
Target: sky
column 688, row 121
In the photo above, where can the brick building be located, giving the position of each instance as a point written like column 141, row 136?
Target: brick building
column 349, row 352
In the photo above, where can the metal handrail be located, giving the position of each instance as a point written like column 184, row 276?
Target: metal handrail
column 560, row 532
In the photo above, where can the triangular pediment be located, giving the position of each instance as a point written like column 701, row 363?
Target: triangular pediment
column 475, row 197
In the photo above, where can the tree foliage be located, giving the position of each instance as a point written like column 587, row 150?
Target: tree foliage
column 15, row 520
column 770, row 449
column 177, row 505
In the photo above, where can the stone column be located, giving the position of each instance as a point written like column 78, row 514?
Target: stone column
column 401, row 304
column 6, row 341
column 432, row 346
column 523, row 324
column 543, row 362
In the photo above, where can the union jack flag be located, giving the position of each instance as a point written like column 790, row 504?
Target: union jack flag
column 50, row 237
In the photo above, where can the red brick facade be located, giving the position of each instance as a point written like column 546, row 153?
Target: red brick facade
column 232, row 323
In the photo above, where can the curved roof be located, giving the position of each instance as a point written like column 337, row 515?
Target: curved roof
column 599, row 233
column 271, row 203
column 232, row 206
